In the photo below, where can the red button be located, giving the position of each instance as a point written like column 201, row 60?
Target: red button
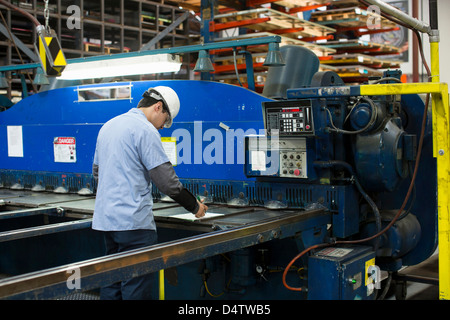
column 296, row 172
column 307, row 127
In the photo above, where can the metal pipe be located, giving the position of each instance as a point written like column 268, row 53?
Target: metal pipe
column 43, row 230
column 415, row 47
column 173, row 50
column 30, row 212
column 414, row 23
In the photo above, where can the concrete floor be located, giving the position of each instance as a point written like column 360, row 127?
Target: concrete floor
column 417, row 290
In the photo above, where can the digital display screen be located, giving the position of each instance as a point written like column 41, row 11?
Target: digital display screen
column 288, row 117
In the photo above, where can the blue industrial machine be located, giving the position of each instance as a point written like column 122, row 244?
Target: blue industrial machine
column 323, row 166
column 308, row 183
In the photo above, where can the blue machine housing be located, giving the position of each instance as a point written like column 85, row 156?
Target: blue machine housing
column 204, row 105
column 211, row 131
column 345, row 270
column 365, row 147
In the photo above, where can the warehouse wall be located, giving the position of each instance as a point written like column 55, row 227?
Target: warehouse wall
column 444, row 27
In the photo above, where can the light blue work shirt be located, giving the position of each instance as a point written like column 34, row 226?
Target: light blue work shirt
column 128, row 146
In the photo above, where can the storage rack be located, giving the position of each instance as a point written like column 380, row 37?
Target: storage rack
column 106, row 27
column 293, row 20
column 285, row 21
column 355, row 60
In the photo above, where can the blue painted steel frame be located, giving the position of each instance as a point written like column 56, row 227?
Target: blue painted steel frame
column 57, row 113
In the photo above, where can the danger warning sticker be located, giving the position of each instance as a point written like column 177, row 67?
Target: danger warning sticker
column 64, row 149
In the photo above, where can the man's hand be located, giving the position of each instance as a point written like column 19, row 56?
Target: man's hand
column 201, row 210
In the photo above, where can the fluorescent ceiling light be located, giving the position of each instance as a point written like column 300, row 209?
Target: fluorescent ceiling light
column 115, row 67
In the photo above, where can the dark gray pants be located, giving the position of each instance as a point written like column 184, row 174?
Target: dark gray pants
column 138, row 288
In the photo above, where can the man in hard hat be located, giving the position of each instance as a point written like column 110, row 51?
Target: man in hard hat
column 129, row 157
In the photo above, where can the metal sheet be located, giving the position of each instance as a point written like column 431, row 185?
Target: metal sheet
column 9, row 194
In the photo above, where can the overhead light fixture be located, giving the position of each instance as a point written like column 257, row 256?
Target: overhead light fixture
column 3, row 81
column 40, row 77
column 274, row 57
column 204, row 63
column 123, row 66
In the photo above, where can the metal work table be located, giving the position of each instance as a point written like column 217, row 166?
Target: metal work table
column 237, row 228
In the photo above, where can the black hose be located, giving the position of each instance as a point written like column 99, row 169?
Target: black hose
column 348, row 167
column 433, row 9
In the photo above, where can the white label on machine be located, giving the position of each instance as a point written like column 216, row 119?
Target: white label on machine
column 64, row 149
column 15, row 141
column 170, row 148
column 258, row 160
column 334, row 252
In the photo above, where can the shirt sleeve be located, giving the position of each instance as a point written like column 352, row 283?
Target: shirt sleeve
column 150, row 149
column 166, row 180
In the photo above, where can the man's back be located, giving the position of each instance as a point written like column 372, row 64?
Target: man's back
column 128, row 146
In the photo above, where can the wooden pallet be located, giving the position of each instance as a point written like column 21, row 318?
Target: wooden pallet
column 300, row 3
column 353, row 74
column 350, row 17
column 277, row 23
column 319, row 50
column 357, row 71
column 240, row 59
column 359, row 59
column 195, row 4
column 345, row 3
column 360, row 46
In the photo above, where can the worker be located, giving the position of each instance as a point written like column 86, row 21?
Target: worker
column 128, row 158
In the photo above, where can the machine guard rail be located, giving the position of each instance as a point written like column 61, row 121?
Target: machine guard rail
column 97, row 272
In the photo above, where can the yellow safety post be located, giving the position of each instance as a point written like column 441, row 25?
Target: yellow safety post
column 442, row 153
column 161, row 284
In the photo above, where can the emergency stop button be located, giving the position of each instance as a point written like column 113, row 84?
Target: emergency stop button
column 297, row 172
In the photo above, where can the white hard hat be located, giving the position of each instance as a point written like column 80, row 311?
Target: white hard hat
column 169, row 98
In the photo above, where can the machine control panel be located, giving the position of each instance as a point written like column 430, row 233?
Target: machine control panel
column 276, row 157
column 288, row 118
column 293, row 163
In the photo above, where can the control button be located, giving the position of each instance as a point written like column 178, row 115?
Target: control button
column 307, row 127
column 296, row 172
